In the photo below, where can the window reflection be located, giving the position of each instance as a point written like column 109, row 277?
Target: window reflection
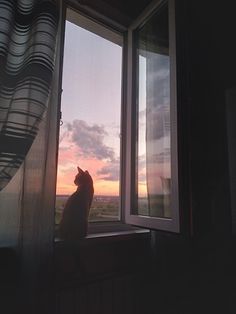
column 153, row 115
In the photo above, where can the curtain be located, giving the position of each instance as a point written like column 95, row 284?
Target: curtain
column 30, row 41
column 27, row 48
column 36, row 234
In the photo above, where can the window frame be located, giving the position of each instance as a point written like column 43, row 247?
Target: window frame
column 116, row 36
column 165, row 224
column 128, row 124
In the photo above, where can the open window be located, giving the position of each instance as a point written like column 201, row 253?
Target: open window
column 91, row 115
column 119, row 117
column 151, row 164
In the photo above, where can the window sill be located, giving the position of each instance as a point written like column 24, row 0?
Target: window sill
column 108, row 232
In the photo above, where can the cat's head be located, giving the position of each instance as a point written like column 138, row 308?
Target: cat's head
column 82, row 178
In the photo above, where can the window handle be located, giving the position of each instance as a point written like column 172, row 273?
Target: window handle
column 61, row 121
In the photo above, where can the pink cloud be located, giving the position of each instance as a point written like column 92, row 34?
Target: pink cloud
column 99, row 161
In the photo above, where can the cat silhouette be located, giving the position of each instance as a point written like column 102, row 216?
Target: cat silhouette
column 74, row 221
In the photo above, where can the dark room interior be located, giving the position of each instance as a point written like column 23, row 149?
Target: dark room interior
column 183, row 263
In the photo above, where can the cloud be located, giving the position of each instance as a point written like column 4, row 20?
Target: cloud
column 163, row 157
column 155, row 121
column 90, row 140
column 158, row 118
column 142, row 115
column 142, row 177
column 142, row 161
column 110, row 172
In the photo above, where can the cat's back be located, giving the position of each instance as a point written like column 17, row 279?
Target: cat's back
column 73, row 201
column 73, row 223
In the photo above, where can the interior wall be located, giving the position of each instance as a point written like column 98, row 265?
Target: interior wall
column 209, row 160
column 195, row 271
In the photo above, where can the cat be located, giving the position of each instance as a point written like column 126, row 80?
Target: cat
column 74, row 222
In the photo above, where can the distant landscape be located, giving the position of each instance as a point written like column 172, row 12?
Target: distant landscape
column 104, row 208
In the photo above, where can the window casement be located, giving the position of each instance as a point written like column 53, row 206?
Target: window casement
column 148, row 164
column 91, row 115
column 151, row 169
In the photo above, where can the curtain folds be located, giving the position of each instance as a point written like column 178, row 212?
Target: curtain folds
column 36, row 234
column 30, row 61
column 28, row 32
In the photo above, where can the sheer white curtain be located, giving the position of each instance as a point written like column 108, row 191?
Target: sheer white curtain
column 27, row 202
column 36, row 235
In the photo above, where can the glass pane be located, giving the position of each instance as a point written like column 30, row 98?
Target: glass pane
column 90, row 134
column 153, row 115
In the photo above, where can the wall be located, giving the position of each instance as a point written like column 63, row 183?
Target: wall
column 103, row 275
column 195, row 272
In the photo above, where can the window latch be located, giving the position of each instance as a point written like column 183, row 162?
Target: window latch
column 61, row 122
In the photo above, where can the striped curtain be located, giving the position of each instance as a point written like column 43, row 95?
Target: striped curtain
column 28, row 30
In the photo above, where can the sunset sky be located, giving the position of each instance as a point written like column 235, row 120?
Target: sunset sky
column 91, row 105
column 90, row 134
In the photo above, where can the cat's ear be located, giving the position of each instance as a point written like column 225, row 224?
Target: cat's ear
column 80, row 170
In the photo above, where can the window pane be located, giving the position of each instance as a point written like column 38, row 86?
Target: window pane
column 90, row 134
column 153, row 115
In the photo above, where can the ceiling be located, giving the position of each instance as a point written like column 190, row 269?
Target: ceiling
column 121, row 12
column 130, row 8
